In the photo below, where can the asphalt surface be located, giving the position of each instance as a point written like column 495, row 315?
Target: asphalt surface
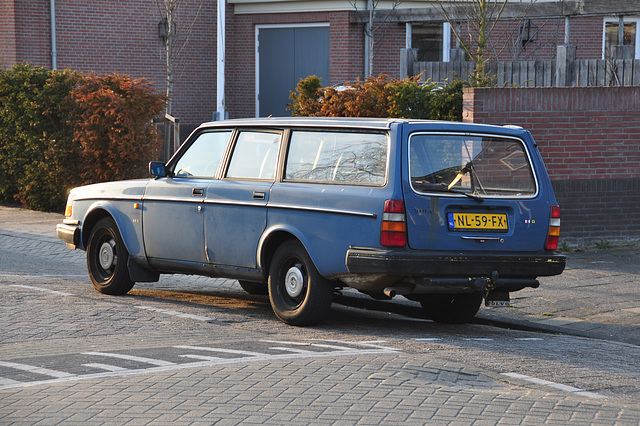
column 597, row 296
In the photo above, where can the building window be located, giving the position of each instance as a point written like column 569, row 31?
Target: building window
column 432, row 40
column 631, row 36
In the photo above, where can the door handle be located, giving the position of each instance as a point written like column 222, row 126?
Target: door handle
column 198, row 192
column 258, row 195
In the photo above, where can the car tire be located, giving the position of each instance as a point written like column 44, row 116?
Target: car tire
column 299, row 295
column 107, row 259
column 252, row 287
column 451, row 308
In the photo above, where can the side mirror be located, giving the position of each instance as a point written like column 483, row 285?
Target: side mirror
column 157, row 169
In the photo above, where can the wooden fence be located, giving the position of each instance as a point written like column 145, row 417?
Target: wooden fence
column 578, row 73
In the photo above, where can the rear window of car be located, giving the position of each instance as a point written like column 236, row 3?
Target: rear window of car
column 473, row 164
column 344, row 158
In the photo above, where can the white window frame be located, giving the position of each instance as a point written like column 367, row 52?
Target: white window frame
column 635, row 20
column 446, row 42
column 257, row 54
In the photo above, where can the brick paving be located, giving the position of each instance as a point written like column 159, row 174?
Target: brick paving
column 421, row 383
column 369, row 391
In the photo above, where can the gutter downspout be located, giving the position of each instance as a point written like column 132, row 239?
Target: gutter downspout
column 368, row 41
column 220, row 113
column 54, row 52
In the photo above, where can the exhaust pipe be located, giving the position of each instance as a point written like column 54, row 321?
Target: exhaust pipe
column 393, row 291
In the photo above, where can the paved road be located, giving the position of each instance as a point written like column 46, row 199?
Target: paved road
column 184, row 351
column 598, row 295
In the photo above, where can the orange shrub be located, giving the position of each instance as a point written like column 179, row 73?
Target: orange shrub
column 114, row 126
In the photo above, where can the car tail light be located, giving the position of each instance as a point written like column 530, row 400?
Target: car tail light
column 394, row 224
column 554, row 229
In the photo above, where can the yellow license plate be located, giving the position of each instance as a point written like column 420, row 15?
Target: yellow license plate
column 472, row 221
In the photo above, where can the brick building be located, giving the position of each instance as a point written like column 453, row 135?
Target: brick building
column 589, row 137
column 271, row 44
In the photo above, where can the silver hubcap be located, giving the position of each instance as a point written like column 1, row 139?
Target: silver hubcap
column 106, row 255
column 294, row 282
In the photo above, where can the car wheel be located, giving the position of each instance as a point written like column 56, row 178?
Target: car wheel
column 253, row 287
column 107, row 259
column 451, row 308
column 299, row 295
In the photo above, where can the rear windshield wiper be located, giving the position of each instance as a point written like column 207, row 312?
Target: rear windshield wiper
column 441, row 187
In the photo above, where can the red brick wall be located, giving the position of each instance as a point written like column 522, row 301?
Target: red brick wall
column 98, row 37
column 92, row 37
column 388, row 39
column 347, row 48
column 589, row 138
column 583, row 133
column 7, row 34
column 587, row 35
column 24, row 32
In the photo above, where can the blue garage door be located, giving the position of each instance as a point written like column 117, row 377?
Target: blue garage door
column 285, row 56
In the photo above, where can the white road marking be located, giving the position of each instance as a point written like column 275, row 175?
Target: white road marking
column 41, row 275
column 428, row 339
column 165, row 366
column 369, row 344
column 554, row 385
column 201, row 357
column 297, row 351
column 45, row 290
column 151, row 361
column 39, row 370
column 107, row 367
column 176, row 314
column 221, row 350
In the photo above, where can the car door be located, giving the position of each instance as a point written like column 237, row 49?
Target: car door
column 237, row 204
column 173, row 211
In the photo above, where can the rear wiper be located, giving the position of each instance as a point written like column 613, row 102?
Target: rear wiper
column 444, row 188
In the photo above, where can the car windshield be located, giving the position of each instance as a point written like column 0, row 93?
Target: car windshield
column 475, row 165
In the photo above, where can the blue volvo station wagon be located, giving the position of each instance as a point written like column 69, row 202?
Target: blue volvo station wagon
column 445, row 214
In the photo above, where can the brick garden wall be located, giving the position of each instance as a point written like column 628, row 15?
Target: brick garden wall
column 589, row 139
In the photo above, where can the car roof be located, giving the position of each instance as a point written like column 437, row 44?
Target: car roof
column 381, row 123
column 362, row 123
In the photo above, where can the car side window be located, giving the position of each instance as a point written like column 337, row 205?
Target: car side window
column 255, row 156
column 203, row 156
column 346, row 158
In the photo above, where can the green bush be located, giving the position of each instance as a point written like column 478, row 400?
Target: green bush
column 50, row 123
column 36, row 136
column 378, row 97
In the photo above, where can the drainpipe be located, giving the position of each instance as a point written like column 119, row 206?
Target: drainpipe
column 54, row 52
column 368, row 41
column 220, row 113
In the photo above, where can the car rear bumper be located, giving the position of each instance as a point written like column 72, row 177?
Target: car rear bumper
column 415, row 263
